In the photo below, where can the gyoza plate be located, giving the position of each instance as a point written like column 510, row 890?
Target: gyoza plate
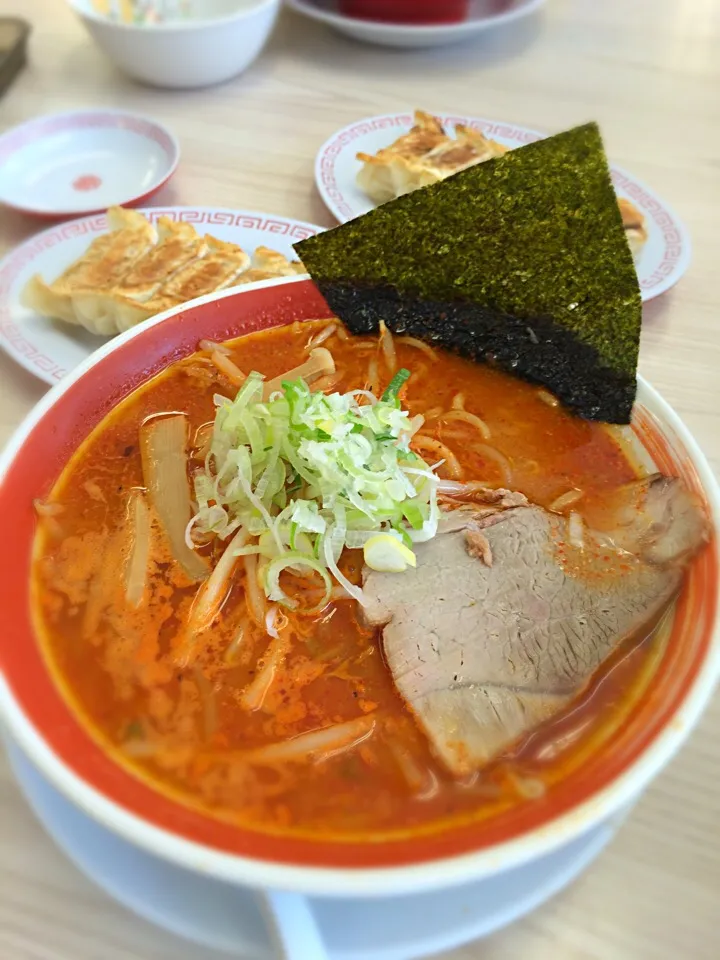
column 664, row 258
column 50, row 348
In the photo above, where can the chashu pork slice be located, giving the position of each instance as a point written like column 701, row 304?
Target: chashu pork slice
column 483, row 654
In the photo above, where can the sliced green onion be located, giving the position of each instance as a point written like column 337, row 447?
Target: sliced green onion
column 395, row 386
column 311, row 474
column 294, row 559
column 354, row 591
column 247, row 551
column 413, row 514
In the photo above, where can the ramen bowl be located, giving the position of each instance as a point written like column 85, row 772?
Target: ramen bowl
column 40, row 721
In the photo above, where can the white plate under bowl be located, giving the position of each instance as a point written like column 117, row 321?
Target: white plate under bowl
column 50, row 348
column 220, row 916
column 484, row 15
column 68, row 164
column 664, row 258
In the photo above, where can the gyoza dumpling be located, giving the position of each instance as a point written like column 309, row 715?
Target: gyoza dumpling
column 107, row 260
column 274, row 263
column 423, row 156
column 634, row 224
column 269, row 265
column 131, row 274
column 392, row 171
column 219, row 269
column 178, row 244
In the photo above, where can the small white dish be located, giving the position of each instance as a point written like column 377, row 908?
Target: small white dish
column 220, row 916
column 50, row 349
column 484, row 15
column 216, row 41
column 663, row 260
column 69, row 164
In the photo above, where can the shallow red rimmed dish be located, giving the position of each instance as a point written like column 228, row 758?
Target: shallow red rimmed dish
column 38, row 719
column 84, row 161
column 407, row 11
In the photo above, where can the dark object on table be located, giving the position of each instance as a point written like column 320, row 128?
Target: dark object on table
column 13, row 47
column 520, row 261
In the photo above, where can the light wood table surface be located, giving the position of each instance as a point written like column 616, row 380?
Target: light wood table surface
column 649, row 71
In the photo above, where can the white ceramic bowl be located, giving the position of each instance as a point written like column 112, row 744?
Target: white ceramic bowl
column 41, row 723
column 185, row 53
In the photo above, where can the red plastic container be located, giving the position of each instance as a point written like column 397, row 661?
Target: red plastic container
column 415, row 12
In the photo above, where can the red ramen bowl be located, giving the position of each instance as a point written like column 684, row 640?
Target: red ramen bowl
column 407, row 11
column 39, row 720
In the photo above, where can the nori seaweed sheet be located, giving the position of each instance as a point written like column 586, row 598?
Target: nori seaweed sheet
column 521, row 261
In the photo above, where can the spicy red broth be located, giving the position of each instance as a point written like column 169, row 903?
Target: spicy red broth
column 189, row 724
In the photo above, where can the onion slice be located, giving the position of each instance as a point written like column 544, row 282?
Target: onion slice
column 164, row 463
column 321, row 337
column 209, row 598
column 254, row 597
column 435, row 447
column 388, row 348
column 228, row 368
column 136, row 571
column 319, row 364
column 503, row 464
column 566, row 500
column 419, row 345
column 464, row 416
column 318, row 745
column 294, row 559
column 211, row 346
column 254, row 694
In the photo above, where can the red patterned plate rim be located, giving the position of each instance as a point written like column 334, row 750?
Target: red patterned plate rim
column 668, row 242
column 41, row 356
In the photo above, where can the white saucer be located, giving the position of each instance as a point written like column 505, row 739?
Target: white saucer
column 68, row 164
column 484, row 15
column 222, row 917
column 664, row 258
column 49, row 349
